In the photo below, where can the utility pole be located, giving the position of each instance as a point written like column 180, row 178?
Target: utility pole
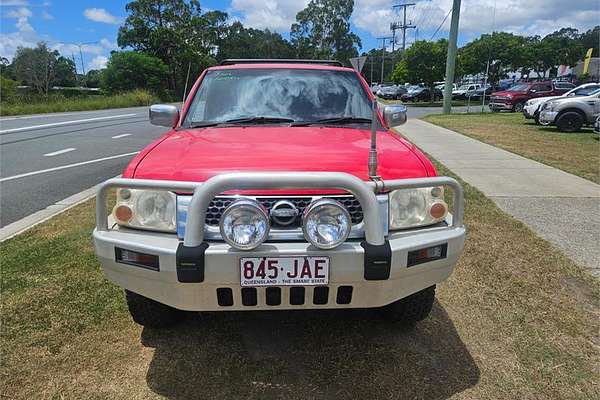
column 402, row 26
column 372, row 59
column 81, row 55
column 451, row 59
column 383, row 39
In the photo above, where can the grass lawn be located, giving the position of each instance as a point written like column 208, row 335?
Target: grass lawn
column 95, row 102
column 577, row 153
column 517, row 320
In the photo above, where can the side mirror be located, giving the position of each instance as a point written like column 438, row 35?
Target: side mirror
column 394, row 115
column 164, row 115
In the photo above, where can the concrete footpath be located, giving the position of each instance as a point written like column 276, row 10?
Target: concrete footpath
column 561, row 207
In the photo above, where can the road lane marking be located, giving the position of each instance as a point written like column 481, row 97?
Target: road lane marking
column 121, row 136
column 63, row 151
column 53, row 115
column 25, row 128
column 43, row 171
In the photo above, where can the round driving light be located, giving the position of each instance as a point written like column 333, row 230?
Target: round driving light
column 244, row 224
column 326, row 223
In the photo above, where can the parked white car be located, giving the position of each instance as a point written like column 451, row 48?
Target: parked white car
column 461, row 92
column 532, row 107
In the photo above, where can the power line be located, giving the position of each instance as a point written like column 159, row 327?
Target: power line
column 438, row 28
column 401, row 26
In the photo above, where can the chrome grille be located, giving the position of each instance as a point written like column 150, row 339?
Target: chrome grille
column 219, row 204
column 288, row 232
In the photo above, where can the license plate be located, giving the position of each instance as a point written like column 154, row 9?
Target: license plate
column 284, row 271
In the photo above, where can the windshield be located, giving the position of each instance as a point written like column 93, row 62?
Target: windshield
column 464, row 87
column 294, row 94
column 518, row 88
column 584, row 91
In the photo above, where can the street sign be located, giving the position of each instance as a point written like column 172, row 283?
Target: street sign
column 358, row 62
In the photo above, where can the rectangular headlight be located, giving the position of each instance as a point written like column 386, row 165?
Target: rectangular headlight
column 411, row 208
column 146, row 209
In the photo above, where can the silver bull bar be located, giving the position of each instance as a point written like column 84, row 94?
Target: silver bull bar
column 204, row 192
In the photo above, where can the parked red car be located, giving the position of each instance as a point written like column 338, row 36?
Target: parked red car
column 280, row 186
column 514, row 98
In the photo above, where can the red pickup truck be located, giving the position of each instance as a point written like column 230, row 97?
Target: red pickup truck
column 514, row 98
column 280, row 185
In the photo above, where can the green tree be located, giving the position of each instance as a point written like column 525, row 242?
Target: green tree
column 92, row 78
column 504, row 51
column 128, row 70
column 322, row 31
column 591, row 40
column 38, row 67
column 8, row 89
column 7, row 69
column 176, row 31
column 562, row 47
column 240, row 42
column 400, row 74
column 423, row 62
column 65, row 74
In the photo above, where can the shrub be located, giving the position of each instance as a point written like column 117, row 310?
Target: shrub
column 129, row 70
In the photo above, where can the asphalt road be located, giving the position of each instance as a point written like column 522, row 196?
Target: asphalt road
column 33, row 147
column 48, row 157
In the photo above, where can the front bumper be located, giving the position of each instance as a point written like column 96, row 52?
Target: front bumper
column 349, row 263
column 222, row 270
column 500, row 106
column 529, row 112
column 548, row 117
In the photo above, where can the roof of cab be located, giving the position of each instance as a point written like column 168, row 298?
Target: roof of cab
column 280, row 63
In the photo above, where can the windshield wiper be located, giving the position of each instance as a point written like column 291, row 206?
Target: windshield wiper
column 244, row 120
column 205, row 124
column 257, row 120
column 339, row 120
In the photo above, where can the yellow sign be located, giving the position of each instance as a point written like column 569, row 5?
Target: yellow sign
column 586, row 61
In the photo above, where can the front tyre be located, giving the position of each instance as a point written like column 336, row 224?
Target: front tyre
column 519, row 107
column 150, row 313
column 570, row 121
column 413, row 308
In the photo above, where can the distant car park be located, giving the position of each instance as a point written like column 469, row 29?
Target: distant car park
column 421, row 94
column 391, row 92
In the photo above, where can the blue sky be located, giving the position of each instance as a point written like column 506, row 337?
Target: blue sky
column 94, row 24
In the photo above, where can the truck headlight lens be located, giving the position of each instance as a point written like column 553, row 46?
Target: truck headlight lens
column 245, row 224
column 326, row 223
column 146, row 209
column 411, row 208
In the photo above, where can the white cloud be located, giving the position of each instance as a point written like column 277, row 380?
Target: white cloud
column 9, row 42
column 22, row 14
column 10, row 3
column 47, row 16
column 98, row 62
column 107, row 44
column 268, row 14
column 532, row 17
column 100, row 15
column 72, row 48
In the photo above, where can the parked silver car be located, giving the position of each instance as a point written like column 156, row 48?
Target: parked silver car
column 570, row 114
column 533, row 106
